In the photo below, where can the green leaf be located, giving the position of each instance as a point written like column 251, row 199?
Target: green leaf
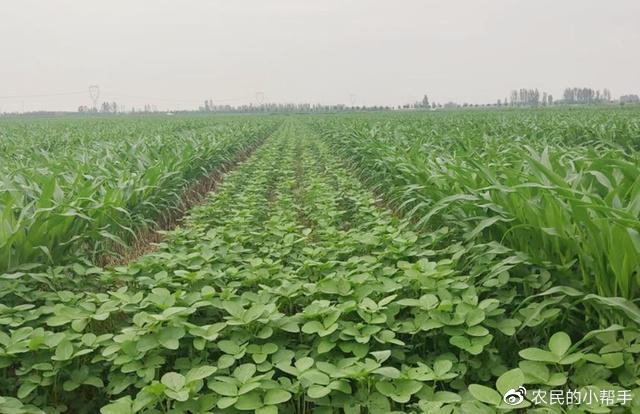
column 235, row 309
column 276, row 396
column 94, row 381
column 223, row 388
column 559, row 343
column 537, row 354
column 378, row 404
column 485, row 394
column 200, row 373
column 460, row 341
column 226, row 402
column 510, row 380
column 312, row 327
column 173, row 381
column 269, row 348
column 244, row 372
column 483, row 225
column 267, row 409
column 225, row 361
column 325, row 345
column 304, row 363
column 250, row 401
column 407, row 387
column 389, row 372
column 78, row 325
column 121, row 406
column 318, row 391
column 315, row 376
column 624, row 305
column 447, row 397
column 535, row 372
column 557, row 379
column 25, row 389
column 229, row 347
column 367, row 238
column 70, row 385
column 64, row 351
column 181, row 395
column 352, row 407
column 385, row 388
column 253, row 313
column 475, row 317
column 442, row 366
column 169, row 337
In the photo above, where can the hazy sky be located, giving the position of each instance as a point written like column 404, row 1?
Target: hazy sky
column 384, row 52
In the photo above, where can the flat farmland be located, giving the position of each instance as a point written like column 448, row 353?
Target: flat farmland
column 409, row 262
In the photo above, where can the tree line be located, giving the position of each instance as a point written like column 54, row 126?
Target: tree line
column 210, row 106
column 520, row 97
column 586, row 95
column 572, row 95
column 535, row 97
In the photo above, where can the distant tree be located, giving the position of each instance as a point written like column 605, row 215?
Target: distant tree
column 630, row 99
column 585, row 96
column 514, row 98
column 425, row 101
column 568, row 95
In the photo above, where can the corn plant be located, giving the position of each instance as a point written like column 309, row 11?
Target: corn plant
column 292, row 290
column 72, row 189
column 559, row 187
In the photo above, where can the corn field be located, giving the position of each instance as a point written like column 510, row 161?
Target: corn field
column 419, row 262
column 73, row 190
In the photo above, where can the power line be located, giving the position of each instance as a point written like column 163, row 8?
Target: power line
column 95, row 93
column 149, row 98
column 42, row 95
column 171, row 100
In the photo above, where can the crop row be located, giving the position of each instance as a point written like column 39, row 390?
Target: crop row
column 570, row 205
column 76, row 188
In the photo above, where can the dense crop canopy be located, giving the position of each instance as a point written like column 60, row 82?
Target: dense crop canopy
column 293, row 289
column 72, row 188
column 564, row 188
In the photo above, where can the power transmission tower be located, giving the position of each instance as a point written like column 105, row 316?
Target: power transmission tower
column 94, row 94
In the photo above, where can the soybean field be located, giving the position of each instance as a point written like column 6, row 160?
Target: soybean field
column 396, row 262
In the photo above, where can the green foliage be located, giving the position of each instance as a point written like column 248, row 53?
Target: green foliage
column 76, row 188
column 561, row 187
column 291, row 290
